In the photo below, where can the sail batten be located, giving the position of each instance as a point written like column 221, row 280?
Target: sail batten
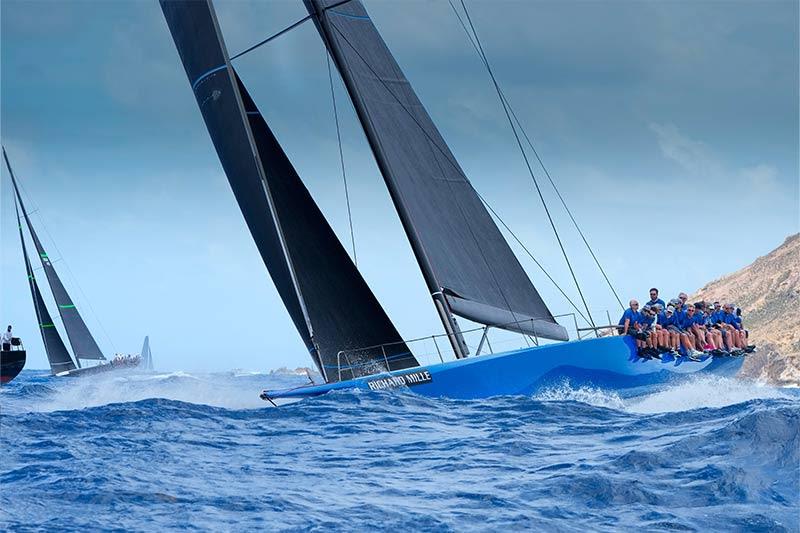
column 329, row 302
column 80, row 338
column 457, row 244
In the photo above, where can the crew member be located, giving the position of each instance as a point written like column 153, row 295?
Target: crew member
column 630, row 317
column 654, row 299
column 6, row 338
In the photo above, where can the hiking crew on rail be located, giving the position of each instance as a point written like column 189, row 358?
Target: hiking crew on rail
column 686, row 330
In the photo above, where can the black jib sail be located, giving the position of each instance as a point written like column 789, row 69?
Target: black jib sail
column 344, row 327
column 81, row 340
column 462, row 253
column 57, row 354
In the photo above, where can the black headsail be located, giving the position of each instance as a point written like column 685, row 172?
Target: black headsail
column 81, row 340
column 331, row 305
column 57, row 354
column 468, row 265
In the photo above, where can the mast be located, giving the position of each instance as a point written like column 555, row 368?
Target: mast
column 83, row 344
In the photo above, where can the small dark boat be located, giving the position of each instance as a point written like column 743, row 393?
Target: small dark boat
column 84, row 346
column 12, row 361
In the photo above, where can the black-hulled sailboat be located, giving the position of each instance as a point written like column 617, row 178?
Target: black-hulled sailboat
column 468, row 266
column 84, row 347
column 12, row 359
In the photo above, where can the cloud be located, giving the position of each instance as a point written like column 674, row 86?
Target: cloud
column 693, row 156
column 762, row 177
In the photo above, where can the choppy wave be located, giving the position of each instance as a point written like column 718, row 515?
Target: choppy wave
column 168, row 450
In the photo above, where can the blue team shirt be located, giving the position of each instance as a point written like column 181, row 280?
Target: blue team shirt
column 646, row 321
column 665, row 321
column 651, row 303
column 633, row 316
column 679, row 318
column 730, row 318
column 700, row 318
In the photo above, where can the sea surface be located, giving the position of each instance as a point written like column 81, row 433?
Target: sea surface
column 200, row 451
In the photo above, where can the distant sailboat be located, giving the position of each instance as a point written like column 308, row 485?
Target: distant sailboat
column 146, row 355
column 84, row 347
column 469, row 268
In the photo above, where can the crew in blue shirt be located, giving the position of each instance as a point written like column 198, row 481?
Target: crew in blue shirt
column 671, row 331
column 679, row 312
column 715, row 316
column 630, row 317
column 654, row 299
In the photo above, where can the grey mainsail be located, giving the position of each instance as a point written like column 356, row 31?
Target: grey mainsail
column 57, row 354
column 341, row 322
column 463, row 256
column 83, row 344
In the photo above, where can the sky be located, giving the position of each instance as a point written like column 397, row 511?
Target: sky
column 670, row 128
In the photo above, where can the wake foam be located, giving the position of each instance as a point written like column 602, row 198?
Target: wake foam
column 694, row 393
column 705, row 391
column 217, row 390
column 584, row 394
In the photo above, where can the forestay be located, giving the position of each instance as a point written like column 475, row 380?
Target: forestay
column 457, row 244
column 332, row 307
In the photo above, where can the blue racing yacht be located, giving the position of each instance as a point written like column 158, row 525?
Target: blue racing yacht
column 468, row 266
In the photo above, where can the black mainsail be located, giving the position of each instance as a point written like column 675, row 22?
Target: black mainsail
column 468, row 265
column 57, row 354
column 341, row 322
column 83, row 344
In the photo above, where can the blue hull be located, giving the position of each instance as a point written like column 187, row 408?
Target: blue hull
column 608, row 363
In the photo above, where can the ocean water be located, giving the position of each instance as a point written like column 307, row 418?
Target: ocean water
column 200, row 451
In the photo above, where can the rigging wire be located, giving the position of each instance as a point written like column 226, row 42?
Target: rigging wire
column 541, row 163
column 271, row 37
column 567, row 209
column 527, row 251
column 341, row 158
column 527, row 163
column 444, row 153
column 288, row 28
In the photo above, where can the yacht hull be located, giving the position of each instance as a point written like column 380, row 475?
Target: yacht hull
column 11, row 364
column 92, row 370
column 608, row 363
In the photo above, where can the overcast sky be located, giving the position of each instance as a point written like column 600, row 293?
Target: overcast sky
column 670, row 127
